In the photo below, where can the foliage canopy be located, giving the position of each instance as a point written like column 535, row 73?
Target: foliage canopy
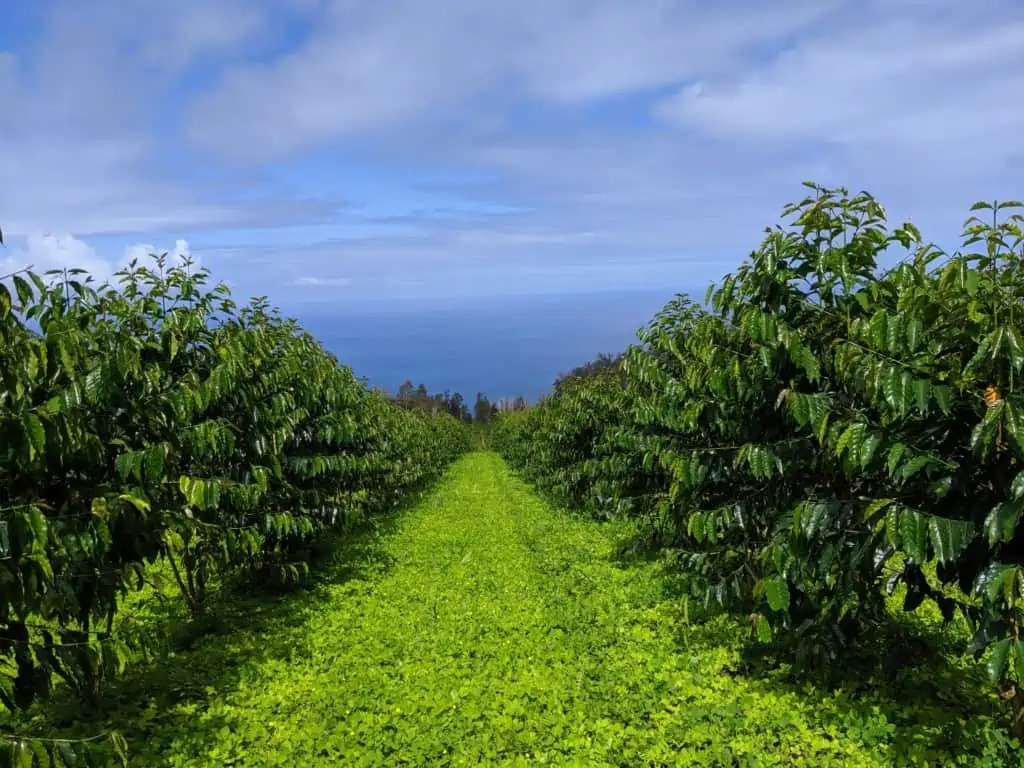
column 823, row 431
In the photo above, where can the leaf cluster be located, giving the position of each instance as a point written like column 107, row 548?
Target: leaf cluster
column 826, row 429
column 153, row 422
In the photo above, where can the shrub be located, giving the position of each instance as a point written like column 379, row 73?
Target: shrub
column 153, row 420
column 826, row 430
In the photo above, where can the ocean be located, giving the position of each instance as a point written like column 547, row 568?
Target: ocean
column 501, row 346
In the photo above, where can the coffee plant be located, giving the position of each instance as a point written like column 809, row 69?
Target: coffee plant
column 153, row 421
column 823, row 430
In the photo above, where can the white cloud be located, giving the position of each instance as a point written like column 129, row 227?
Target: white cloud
column 87, row 115
column 146, row 254
column 650, row 140
column 45, row 252
column 874, row 95
column 376, row 66
column 322, row 281
column 907, row 85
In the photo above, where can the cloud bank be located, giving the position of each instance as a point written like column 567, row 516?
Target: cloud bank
column 459, row 148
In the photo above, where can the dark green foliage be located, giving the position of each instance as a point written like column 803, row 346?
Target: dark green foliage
column 572, row 448
column 825, row 431
column 600, row 365
column 154, row 421
column 417, row 399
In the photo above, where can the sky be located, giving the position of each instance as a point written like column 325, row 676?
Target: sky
column 343, row 154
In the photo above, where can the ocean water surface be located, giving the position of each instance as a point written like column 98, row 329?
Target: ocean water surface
column 503, row 346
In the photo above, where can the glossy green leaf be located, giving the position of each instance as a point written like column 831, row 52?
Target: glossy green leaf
column 998, row 661
column 949, row 537
column 777, row 591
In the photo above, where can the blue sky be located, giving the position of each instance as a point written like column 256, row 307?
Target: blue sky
column 333, row 151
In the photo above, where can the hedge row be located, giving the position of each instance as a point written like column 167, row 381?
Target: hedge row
column 154, row 422
column 822, row 431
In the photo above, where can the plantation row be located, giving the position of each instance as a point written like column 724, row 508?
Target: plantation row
column 823, row 431
column 154, row 425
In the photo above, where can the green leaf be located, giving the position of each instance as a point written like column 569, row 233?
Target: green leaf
column 64, row 354
column 136, row 501
column 867, row 448
column 35, row 433
column 1014, row 422
column 154, row 464
column 93, row 382
column 984, row 433
column 879, row 328
column 996, row 666
column 23, row 289
column 895, row 454
column 891, row 388
column 997, row 579
column 850, row 440
column 1002, row 520
column 22, row 754
column 971, row 280
column 764, row 629
column 922, row 392
column 915, row 330
column 894, row 333
column 913, row 534
column 99, row 507
column 38, row 523
column 817, row 516
column 906, row 392
column 125, row 464
column 949, row 537
column 777, row 591
column 875, row 507
column 914, row 466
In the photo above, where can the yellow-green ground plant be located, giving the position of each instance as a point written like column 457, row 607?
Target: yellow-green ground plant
column 483, row 626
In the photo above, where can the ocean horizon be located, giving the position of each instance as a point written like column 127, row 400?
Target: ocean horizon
column 501, row 346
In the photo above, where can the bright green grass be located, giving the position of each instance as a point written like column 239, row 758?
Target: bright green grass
column 484, row 628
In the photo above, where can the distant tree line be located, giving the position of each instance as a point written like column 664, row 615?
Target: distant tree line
column 483, row 410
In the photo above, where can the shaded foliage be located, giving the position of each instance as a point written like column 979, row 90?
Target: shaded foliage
column 824, row 432
column 600, row 365
column 155, row 422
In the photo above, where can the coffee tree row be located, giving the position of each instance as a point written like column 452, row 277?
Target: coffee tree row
column 151, row 420
column 823, row 430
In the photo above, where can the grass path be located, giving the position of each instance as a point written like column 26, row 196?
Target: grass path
column 483, row 628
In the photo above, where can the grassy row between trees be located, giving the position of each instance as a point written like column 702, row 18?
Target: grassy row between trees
column 151, row 429
column 824, row 433
column 481, row 627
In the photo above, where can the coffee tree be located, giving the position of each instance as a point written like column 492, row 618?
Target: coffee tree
column 826, row 429
column 151, row 420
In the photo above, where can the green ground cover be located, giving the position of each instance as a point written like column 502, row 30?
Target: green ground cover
column 482, row 627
